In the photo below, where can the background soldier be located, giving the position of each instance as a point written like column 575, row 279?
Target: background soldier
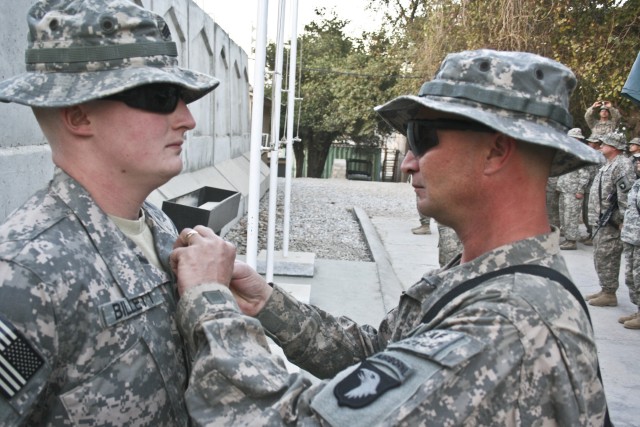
column 87, row 298
column 592, row 170
column 602, row 117
column 572, row 187
column 608, row 198
column 449, row 245
column 630, row 237
column 634, row 155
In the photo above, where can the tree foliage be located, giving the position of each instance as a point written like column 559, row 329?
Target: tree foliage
column 343, row 77
column 597, row 39
column 341, row 80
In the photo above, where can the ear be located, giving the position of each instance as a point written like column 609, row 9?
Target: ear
column 76, row 120
column 501, row 149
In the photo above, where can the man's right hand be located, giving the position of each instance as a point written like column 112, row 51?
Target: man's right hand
column 249, row 288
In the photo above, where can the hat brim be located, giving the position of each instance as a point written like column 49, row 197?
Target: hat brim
column 54, row 89
column 570, row 153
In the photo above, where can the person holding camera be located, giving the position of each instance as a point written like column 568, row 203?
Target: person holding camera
column 602, row 118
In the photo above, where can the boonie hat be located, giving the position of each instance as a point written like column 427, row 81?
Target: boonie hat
column 615, row 140
column 594, row 138
column 522, row 95
column 575, row 133
column 80, row 50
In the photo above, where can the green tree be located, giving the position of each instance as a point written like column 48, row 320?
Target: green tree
column 597, row 39
column 341, row 80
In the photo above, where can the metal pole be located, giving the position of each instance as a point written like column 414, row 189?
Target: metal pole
column 275, row 137
column 291, row 99
column 253, row 208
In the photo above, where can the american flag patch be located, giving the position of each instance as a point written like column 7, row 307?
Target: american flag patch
column 18, row 360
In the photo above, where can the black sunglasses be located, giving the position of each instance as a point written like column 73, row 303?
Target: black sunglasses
column 422, row 135
column 158, row 97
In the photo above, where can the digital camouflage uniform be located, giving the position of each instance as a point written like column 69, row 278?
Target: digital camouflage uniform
column 517, row 350
column 97, row 316
column 617, row 177
column 449, row 245
column 592, row 117
column 592, row 171
column 86, row 321
column 630, row 236
column 477, row 363
column 568, row 186
column 553, row 201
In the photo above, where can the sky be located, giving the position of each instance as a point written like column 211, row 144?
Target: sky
column 239, row 17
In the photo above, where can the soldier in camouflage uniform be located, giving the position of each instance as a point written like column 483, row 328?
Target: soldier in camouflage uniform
column 424, row 227
column 602, row 118
column 609, row 194
column 553, row 201
column 634, row 155
column 516, row 350
column 572, row 188
column 630, row 236
column 592, row 170
column 449, row 245
column 87, row 296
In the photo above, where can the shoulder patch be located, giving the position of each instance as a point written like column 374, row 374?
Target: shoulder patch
column 18, row 360
column 363, row 386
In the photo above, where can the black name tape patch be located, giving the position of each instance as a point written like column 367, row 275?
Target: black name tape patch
column 18, row 360
column 367, row 382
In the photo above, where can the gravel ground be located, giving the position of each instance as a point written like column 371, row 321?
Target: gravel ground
column 322, row 218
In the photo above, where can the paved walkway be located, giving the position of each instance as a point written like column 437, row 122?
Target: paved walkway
column 364, row 291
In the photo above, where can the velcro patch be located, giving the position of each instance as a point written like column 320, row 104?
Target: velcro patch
column 363, row 386
column 446, row 347
column 18, row 360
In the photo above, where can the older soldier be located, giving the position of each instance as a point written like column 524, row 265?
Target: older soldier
column 602, row 117
column 515, row 349
column 607, row 204
column 87, row 299
column 630, row 236
column 572, row 187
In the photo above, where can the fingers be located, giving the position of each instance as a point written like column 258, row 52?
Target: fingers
column 187, row 235
column 200, row 256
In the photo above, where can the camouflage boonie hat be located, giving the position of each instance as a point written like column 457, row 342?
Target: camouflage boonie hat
column 575, row 133
column 615, row 140
column 80, row 50
column 522, row 95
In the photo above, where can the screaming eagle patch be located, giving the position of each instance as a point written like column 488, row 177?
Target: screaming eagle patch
column 363, row 386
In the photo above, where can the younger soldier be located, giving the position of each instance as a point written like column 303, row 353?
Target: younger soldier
column 87, row 298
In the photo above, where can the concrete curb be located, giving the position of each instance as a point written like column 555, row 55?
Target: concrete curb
column 390, row 285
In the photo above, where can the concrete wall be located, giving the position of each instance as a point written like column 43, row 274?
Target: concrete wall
column 217, row 150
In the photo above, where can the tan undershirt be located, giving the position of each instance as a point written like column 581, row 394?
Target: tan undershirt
column 138, row 231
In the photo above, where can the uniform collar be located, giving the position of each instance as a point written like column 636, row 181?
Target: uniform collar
column 542, row 249
column 120, row 254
